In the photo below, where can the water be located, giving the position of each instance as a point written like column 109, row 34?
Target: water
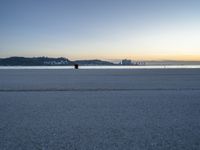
column 104, row 67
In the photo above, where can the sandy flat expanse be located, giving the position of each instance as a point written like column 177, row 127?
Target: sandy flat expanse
column 100, row 109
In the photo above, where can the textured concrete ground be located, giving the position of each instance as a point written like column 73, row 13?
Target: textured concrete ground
column 100, row 109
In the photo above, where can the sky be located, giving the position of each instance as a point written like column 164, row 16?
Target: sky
column 101, row 29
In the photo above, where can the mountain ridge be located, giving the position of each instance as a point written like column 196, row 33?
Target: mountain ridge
column 48, row 61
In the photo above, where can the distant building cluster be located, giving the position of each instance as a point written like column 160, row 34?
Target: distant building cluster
column 126, row 62
column 129, row 62
column 140, row 63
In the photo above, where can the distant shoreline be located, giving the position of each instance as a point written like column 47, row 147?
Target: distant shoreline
column 61, row 61
column 99, row 67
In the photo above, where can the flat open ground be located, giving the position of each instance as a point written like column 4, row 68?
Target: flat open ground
column 100, row 109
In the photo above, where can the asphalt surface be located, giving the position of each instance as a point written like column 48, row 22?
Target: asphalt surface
column 100, row 109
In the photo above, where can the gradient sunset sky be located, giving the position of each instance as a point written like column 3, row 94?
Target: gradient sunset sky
column 102, row 29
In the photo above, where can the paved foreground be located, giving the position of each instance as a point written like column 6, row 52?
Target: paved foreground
column 100, row 109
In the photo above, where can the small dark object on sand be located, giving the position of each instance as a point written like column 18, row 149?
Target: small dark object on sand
column 76, row 66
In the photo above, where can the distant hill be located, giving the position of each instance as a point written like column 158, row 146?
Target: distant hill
column 93, row 62
column 35, row 61
column 46, row 61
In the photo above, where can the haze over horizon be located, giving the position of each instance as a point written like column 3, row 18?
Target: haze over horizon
column 101, row 29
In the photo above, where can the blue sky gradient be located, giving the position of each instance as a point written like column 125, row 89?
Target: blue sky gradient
column 104, row 29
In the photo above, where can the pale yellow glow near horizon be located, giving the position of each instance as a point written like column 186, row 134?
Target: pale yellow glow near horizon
column 144, row 57
column 118, row 55
column 168, row 57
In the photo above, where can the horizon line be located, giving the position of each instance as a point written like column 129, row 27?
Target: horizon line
column 109, row 59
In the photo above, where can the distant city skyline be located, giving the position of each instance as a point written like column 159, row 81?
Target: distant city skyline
column 101, row 29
